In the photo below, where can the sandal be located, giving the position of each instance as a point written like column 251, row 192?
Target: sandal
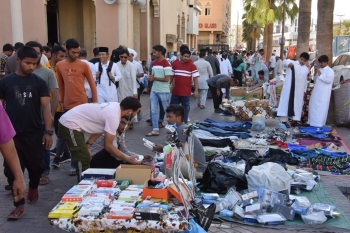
column 72, row 172
column 44, row 180
column 201, row 107
column 16, row 214
column 33, row 196
column 153, row 133
column 160, row 125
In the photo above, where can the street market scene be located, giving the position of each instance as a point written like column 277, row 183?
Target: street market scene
column 176, row 116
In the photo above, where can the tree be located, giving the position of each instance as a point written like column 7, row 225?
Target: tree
column 265, row 13
column 336, row 31
column 324, row 34
column 251, row 32
column 304, row 23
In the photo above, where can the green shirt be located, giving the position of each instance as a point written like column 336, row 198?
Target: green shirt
column 160, row 69
column 241, row 67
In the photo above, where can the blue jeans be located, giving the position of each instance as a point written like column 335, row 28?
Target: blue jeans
column 46, row 159
column 185, row 103
column 244, row 125
column 156, row 99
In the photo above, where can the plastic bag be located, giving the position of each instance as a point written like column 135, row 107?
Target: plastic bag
column 219, row 178
column 258, row 123
column 269, row 175
column 203, row 216
column 314, row 217
column 193, row 227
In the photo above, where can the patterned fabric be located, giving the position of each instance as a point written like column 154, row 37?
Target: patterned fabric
column 246, row 113
column 325, row 163
column 305, row 111
column 3, row 58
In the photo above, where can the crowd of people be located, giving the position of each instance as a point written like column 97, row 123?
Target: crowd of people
column 44, row 88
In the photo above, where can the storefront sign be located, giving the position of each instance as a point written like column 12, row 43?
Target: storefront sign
column 207, row 25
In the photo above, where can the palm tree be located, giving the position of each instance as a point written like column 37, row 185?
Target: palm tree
column 251, row 32
column 265, row 13
column 324, row 34
column 304, row 22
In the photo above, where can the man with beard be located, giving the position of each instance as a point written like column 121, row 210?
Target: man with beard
column 96, row 119
column 27, row 99
column 50, row 79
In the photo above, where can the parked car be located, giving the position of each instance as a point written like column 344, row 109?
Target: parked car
column 341, row 67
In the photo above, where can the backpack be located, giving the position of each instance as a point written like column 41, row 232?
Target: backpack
column 109, row 68
column 115, row 54
column 237, row 62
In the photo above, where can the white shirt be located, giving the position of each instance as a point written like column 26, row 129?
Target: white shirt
column 104, row 90
column 86, row 83
column 225, row 67
column 273, row 61
column 127, row 85
column 93, row 118
column 43, row 59
column 139, row 69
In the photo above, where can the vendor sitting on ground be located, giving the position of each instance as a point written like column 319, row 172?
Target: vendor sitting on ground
column 262, row 78
column 103, row 159
column 175, row 114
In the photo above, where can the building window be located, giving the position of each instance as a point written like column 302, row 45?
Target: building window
column 207, row 11
column 278, row 29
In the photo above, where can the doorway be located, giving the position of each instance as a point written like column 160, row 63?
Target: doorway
column 52, row 22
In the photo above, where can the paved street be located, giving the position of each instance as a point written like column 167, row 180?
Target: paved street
column 35, row 218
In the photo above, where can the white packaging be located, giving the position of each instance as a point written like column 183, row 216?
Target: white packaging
column 302, row 201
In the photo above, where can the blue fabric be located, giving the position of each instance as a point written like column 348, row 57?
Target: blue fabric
column 185, row 103
column 332, row 154
column 223, row 133
column 244, row 125
column 296, row 147
column 304, row 154
column 319, row 135
column 226, row 128
column 312, row 129
column 193, row 227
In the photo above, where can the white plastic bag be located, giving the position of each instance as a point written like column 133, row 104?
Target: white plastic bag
column 269, row 175
column 258, row 123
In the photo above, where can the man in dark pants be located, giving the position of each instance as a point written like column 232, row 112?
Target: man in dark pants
column 27, row 95
column 215, row 84
column 214, row 63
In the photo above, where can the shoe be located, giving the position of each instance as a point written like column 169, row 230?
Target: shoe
column 56, row 162
column 65, row 158
column 219, row 110
column 286, row 124
column 53, row 152
column 8, row 187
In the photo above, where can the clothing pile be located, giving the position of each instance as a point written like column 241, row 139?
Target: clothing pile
column 274, row 133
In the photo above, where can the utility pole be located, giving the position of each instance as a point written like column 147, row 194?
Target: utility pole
column 340, row 18
column 237, row 31
column 283, row 24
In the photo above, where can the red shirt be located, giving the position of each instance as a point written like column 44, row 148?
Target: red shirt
column 183, row 74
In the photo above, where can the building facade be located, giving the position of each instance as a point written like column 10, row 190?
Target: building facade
column 214, row 21
column 97, row 23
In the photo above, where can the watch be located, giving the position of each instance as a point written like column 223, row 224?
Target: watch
column 49, row 132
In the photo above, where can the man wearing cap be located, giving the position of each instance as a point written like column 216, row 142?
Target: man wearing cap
column 107, row 77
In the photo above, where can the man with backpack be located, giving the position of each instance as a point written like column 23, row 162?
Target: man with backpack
column 107, row 77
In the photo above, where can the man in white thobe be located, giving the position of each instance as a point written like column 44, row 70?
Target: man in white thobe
column 285, row 107
column 128, row 84
column 278, row 71
column 82, row 57
column 321, row 94
column 106, row 81
column 258, row 64
column 225, row 68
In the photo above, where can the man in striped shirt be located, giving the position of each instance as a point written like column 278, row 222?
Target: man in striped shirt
column 184, row 71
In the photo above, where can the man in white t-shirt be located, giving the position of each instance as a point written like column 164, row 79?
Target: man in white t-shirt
column 272, row 62
column 83, row 57
column 96, row 119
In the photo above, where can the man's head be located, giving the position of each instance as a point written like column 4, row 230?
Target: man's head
column 304, row 57
column 103, row 54
column 95, row 51
column 159, row 51
column 215, row 53
column 175, row 114
column 262, row 52
column 185, row 55
column 83, row 54
column 131, row 56
column 323, row 60
column 234, row 82
column 8, row 49
column 124, row 56
column 261, row 74
column 73, row 49
column 144, row 63
column 18, row 45
column 175, row 53
column 123, row 125
column 183, row 47
column 244, row 52
column 27, row 58
column 202, row 54
column 57, row 53
column 130, row 106
column 38, row 48
column 210, row 51
column 47, row 52
column 224, row 55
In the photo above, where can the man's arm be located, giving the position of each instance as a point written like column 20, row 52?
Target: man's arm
column 165, row 79
column 326, row 77
column 93, row 138
column 122, row 147
column 45, row 106
column 61, row 89
column 54, row 101
column 116, row 73
column 90, row 79
column 109, row 138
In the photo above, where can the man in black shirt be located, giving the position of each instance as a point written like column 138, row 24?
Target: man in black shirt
column 96, row 58
column 26, row 96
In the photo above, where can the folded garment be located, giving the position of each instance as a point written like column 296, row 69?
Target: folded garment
column 304, row 154
column 313, row 141
column 313, row 135
column 332, row 154
column 216, row 142
column 226, row 128
column 311, row 129
column 202, row 134
column 222, row 150
column 222, row 133
column 244, row 125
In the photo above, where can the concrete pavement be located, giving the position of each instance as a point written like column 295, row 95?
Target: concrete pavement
column 35, row 218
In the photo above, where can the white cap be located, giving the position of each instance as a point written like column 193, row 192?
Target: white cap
column 133, row 52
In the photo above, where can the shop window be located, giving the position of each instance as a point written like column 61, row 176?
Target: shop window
column 207, row 11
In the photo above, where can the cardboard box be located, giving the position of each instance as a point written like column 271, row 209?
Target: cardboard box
column 138, row 174
column 262, row 104
column 238, row 91
column 257, row 94
column 235, row 98
column 172, row 189
column 251, row 103
column 162, row 193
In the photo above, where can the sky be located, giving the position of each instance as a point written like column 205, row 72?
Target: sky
column 341, row 7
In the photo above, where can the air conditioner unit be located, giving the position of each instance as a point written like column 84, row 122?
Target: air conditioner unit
column 110, row 1
column 139, row 3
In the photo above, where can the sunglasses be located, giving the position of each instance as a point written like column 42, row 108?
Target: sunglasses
column 123, row 57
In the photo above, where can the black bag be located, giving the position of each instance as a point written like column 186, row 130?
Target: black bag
column 219, row 178
column 109, row 68
column 236, row 63
column 203, row 216
column 142, row 86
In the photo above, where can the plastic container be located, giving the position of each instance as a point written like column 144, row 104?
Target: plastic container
column 258, row 123
column 226, row 213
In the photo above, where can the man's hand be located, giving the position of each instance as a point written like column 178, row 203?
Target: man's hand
column 158, row 148
column 98, row 73
column 134, row 160
column 150, row 78
column 110, row 75
column 218, row 92
column 62, row 106
column 135, row 96
column 290, row 65
column 18, row 189
column 48, row 140
column 318, row 71
column 195, row 94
